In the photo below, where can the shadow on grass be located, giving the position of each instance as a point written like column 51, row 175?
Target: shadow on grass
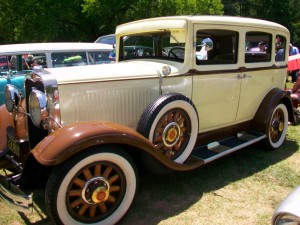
column 161, row 197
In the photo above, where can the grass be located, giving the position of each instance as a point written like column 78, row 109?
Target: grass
column 242, row 188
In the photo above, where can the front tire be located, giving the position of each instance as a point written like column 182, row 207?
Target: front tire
column 96, row 186
column 171, row 124
column 277, row 127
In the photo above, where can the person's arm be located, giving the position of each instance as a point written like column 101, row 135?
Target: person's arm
column 296, row 86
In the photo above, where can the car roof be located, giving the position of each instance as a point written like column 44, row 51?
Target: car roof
column 107, row 39
column 53, row 47
column 180, row 22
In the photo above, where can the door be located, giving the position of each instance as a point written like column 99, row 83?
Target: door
column 216, row 81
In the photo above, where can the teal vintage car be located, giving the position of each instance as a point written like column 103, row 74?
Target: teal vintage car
column 17, row 60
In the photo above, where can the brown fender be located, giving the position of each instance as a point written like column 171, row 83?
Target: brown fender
column 271, row 100
column 6, row 120
column 67, row 141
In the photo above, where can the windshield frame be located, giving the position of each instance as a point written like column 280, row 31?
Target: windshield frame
column 163, row 42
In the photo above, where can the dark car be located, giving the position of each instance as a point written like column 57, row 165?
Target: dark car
column 107, row 39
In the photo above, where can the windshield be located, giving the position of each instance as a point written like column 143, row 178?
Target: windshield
column 160, row 45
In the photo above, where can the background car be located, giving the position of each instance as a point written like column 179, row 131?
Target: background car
column 19, row 59
column 288, row 211
column 107, row 39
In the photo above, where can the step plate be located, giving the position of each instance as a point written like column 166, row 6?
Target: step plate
column 215, row 150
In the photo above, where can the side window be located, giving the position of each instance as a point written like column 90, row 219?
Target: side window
column 258, row 47
column 37, row 60
column 216, row 47
column 280, row 48
column 99, row 57
column 62, row 59
column 26, row 61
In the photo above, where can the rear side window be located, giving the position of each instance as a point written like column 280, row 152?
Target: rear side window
column 99, row 57
column 63, row 59
column 216, row 47
column 258, row 47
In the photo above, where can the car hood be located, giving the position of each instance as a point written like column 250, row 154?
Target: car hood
column 107, row 72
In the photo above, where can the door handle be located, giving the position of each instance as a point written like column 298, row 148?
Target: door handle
column 243, row 76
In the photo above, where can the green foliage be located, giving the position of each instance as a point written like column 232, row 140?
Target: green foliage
column 86, row 20
column 286, row 13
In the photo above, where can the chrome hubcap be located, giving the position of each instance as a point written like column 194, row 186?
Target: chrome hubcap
column 96, row 190
column 171, row 134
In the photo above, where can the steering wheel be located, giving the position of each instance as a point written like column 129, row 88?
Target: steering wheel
column 176, row 52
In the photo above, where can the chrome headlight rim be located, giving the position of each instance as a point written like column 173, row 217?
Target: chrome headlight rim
column 38, row 109
column 286, row 218
column 12, row 97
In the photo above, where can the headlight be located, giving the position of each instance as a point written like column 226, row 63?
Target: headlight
column 287, row 219
column 37, row 107
column 12, row 97
column 166, row 70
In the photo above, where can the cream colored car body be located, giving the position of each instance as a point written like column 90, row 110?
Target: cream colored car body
column 221, row 97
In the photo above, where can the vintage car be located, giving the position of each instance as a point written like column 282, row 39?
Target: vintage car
column 18, row 59
column 85, row 132
column 288, row 211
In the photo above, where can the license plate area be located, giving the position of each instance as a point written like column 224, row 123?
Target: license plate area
column 12, row 144
column 19, row 149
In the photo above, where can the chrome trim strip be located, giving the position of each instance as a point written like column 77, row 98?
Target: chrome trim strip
column 234, row 149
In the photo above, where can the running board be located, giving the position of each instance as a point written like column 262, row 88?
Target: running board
column 218, row 149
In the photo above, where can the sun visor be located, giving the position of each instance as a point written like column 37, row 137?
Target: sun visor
column 178, row 36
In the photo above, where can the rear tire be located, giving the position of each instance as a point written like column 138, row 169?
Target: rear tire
column 96, row 186
column 277, row 127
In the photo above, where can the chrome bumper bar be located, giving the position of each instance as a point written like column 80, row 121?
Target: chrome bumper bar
column 14, row 198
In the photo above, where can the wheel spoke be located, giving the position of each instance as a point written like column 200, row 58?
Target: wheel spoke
column 92, row 212
column 113, row 179
column 76, row 203
column 183, row 129
column 176, row 116
column 74, row 193
column 181, row 121
column 111, row 199
column 170, row 117
column 103, row 207
column 83, row 209
column 107, row 172
column 80, row 183
column 157, row 139
column 164, row 122
column 115, row 189
column 87, row 174
column 159, row 130
column 97, row 171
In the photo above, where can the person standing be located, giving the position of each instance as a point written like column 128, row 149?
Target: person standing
column 293, row 50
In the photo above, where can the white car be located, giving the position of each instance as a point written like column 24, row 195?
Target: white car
column 288, row 211
column 19, row 59
column 82, row 131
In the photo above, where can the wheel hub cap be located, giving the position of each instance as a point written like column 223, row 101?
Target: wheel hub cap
column 281, row 126
column 171, row 134
column 277, row 125
column 96, row 190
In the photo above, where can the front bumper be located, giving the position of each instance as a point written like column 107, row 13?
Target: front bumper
column 13, row 197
